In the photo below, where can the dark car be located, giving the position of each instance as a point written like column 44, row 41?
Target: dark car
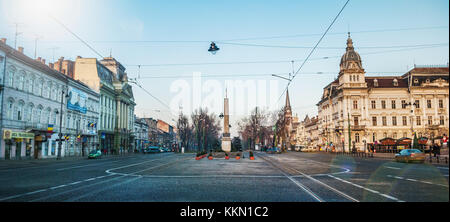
column 152, row 149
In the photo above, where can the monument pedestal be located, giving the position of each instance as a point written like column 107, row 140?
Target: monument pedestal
column 226, row 144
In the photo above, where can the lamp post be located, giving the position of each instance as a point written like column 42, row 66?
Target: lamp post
column 60, row 126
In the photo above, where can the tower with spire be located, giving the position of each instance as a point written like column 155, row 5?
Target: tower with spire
column 286, row 136
column 351, row 74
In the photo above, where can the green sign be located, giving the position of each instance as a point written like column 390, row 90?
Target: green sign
column 22, row 135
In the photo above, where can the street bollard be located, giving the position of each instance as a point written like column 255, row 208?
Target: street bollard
column 446, row 160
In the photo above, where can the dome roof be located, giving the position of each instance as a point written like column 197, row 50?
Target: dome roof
column 351, row 59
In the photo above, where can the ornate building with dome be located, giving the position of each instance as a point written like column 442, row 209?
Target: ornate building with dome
column 358, row 110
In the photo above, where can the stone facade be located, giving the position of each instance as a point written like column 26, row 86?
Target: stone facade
column 356, row 110
column 31, row 106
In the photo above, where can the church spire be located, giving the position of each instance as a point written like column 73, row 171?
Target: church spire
column 288, row 102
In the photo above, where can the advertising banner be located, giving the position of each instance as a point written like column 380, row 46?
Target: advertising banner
column 77, row 100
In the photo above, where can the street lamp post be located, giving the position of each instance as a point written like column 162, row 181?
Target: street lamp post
column 60, row 126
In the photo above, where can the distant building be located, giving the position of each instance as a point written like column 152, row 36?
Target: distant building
column 141, row 138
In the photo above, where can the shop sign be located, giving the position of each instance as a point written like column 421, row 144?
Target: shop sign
column 8, row 134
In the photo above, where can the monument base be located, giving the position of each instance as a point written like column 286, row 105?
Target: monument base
column 226, row 144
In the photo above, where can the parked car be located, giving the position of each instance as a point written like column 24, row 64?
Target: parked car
column 299, row 148
column 94, row 154
column 273, row 150
column 410, row 155
column 152, row 149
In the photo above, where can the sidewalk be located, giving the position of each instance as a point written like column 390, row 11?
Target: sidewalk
column 12, row 164
column 443, row 159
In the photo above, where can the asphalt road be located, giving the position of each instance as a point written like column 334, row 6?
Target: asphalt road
column 288, row 177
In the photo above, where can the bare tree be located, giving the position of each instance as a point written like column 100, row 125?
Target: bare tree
column 184, row 130
column 206, row 129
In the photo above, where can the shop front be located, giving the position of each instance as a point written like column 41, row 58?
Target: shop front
column 16, row 145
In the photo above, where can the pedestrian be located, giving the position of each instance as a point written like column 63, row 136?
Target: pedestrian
column 435, row 148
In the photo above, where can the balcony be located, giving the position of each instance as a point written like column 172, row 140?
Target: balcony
column 358, row 127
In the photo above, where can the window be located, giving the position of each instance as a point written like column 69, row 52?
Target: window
column 383, row 104
column 355, row 121
column 430, row 120
column 374, row 121
column 384, row 134
column 393, row 104
column 384, row 121
column 403, row 104
column 394, row 121
column 357, row 78
column 417, row 102
column 441, row 120
column 357, row 137
column 9, row 109
column 405, row 134
column 10, row 77
column 404, row 120
column 374, row 137
column 55, row 113
column 429, row 103
column 418, row 123
column 355, row 104
column 394, row 136
column 374, row 104
column 30, row 86
column 441, row 104
column 21, row 80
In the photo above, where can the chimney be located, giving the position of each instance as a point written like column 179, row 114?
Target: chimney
column 50, row 65
column 38, row 59
column 20, row 49
column 43, row 61
column 61, row 59
column 3, row 40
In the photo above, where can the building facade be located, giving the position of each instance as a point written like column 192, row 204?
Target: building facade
column 357, row 110
column 108, row 78
column 32, row 95
column 141, row 133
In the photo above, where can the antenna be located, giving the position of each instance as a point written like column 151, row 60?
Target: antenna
column 16, row 34
column 35, row 44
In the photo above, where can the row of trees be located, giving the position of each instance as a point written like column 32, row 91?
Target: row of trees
column 201, row 133
column 260, row 127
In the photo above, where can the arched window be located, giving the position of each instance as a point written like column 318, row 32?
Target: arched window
column 20, row 80
column 19, row 111
column 54, row 91
column 39, row 114
column 54, row 117
column 10, row 76
column 39, row 85
column 47, row 115
column 28, row 112
column 357, row 137
column 10, row 109
column 357, row 78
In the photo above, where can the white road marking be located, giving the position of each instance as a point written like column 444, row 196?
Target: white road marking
column 75, row 183
column 419, row 181
column 394, row 168
column 370, row 190
column 316, row 197
column 445, row 168
column 90, row 179
column 87, row 165
column 327, row 186
column 52, row 188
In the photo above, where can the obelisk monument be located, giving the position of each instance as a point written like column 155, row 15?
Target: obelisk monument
column 226, row 140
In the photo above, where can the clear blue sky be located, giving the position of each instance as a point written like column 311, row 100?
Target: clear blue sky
column 99, row 21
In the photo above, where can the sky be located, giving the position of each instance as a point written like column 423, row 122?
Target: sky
column 170, row 39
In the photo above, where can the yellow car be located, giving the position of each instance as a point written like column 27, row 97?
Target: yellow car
column 410, row 155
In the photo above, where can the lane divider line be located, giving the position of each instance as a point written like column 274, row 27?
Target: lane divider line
column 304, row 188
column 370, row 190
column 419, row 181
